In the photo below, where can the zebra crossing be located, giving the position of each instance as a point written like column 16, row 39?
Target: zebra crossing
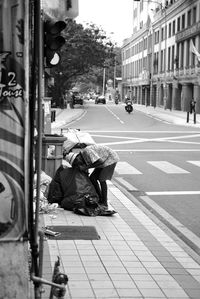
column 124, row 168
column 167, row 168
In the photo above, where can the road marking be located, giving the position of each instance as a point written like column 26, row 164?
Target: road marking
column 126, row 168
column 121, row 121
column 172, row 193
column 146, row 132
column 183, row 142
column 174, row 139
column 128, row 186
column 196, row 163
column 123, row 142
column 167, row 167
column 117, row 137
column 131, row 150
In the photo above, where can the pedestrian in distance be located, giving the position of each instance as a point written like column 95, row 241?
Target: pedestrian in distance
column 103, row 159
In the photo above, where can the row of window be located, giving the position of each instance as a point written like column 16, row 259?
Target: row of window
column 173, row 27
column 134, row 69
column 183, row 58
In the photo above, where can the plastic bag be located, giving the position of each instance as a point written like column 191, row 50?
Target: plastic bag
column 76, row 138
column 69, row 188
column 74, row 191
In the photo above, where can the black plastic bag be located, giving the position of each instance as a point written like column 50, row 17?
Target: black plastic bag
column 69, row 187
column 73, row 190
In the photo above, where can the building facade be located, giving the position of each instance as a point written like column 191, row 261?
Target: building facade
column 159, row 64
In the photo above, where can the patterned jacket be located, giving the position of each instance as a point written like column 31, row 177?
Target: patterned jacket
column 99, row 156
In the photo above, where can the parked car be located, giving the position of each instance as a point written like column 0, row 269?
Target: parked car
column 100, row 99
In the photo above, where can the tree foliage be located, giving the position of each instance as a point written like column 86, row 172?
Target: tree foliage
column 85, row 53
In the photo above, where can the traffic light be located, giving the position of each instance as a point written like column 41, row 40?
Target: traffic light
column 53, row 41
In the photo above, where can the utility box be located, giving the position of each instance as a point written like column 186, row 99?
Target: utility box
column 52, row 153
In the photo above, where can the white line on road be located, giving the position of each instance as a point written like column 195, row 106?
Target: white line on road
column 126, row 168
column 121, row 121
column 174, row 139
column 116, row 137
column 167, row 167
column 146, row 132
column 172, row 193
column 183, row 142
column 196, row 163
column 131, row 150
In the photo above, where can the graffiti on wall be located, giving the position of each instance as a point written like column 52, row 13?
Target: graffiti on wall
column 12, row 130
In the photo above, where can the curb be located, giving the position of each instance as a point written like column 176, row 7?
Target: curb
column 169, row 117
column 174, row 225
column 68, row 119
column 191, row 246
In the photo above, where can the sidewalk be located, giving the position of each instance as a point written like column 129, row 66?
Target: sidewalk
column 66, row 116
column 134, row 257
column 170, row 116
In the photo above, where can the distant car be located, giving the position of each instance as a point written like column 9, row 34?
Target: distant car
column 100, row 99
column 77, row 98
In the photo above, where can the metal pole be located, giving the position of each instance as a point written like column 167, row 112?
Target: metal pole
column 104, row 78
column 39, row 113
column 114, row 85
column 165, row 78
column 39, row 45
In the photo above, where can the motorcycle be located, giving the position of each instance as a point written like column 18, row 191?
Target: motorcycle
column 129, row 107
column 116, row 100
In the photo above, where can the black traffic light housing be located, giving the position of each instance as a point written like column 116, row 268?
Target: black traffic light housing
column 53, row 41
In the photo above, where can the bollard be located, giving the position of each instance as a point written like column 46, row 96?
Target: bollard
column 188, row 117
column 53, row 115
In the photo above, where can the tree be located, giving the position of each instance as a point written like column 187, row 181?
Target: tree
column 84, row 53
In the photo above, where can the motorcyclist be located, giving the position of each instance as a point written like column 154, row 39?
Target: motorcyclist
column 128, row 100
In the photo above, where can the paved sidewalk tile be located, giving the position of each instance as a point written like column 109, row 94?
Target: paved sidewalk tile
column 134, row 257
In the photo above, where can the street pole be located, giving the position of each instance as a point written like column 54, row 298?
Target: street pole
column 104, row 78
column 114, row 85
column 165, row 75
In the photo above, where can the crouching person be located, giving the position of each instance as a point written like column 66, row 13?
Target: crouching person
column 103, row 159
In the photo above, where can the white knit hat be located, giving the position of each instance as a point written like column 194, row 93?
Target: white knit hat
column 70, row 157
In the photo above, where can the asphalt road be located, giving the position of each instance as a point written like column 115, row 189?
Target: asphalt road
column 159, row 163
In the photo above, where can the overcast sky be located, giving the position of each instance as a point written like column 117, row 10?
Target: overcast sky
column 111, row 15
